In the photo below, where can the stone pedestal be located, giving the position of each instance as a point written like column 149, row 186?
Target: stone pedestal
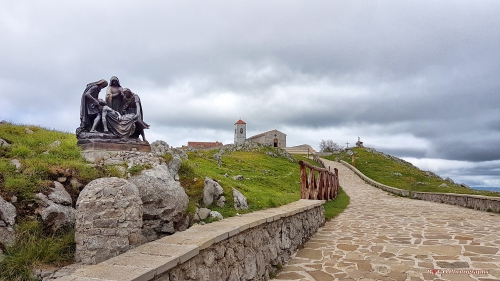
column 109, row 142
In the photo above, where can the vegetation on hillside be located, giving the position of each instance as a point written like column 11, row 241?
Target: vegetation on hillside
column 44, row 155
column 270, row 179
column 395, row 172
column 267, row 182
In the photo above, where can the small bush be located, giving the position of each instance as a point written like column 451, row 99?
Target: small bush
column 137, row 169
column 186, row 171
column 167, row 157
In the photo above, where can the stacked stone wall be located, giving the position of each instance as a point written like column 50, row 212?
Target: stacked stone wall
column 255, row 254
column 252, row 246
column 482, row 203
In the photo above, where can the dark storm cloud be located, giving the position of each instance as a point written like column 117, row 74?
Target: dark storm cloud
column 417, row 78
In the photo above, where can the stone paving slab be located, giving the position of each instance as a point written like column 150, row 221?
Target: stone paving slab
column 381, row 236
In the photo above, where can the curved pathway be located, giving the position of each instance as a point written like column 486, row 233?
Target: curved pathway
column 383, row 237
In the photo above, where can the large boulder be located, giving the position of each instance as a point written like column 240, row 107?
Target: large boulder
column 55, row 208
column 212, row 191
column 108, row 220
column 7, row 220
column 240, row 201
column 174, row 165
column 180, row 152
column 159, row 147
column 164, row 202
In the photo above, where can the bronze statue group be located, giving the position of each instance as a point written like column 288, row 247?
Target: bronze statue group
column 120, row 114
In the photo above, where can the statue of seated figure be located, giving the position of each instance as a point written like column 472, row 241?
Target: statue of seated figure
column 115, row 123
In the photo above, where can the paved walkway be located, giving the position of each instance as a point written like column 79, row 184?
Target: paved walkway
column 383, row 237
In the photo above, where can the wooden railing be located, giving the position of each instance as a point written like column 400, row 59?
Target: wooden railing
column 319, row 183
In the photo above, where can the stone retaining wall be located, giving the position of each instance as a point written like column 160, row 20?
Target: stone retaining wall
column 478, row 202
column 248, row 247
column 482, row 203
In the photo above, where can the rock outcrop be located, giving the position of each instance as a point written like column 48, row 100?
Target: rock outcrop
column 164, row 202
column 174, row 165
column 109, row 220
column 4, row 143
column 240, row 201
column 7, row 220
column 212, row 191
column 55, row 208
column 129, row 158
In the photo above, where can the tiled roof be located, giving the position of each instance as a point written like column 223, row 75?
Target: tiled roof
column 239, row 122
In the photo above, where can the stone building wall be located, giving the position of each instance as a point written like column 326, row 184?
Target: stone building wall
column 269, row 137
column 240, row 132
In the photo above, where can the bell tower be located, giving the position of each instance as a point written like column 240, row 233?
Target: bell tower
column 240, row 131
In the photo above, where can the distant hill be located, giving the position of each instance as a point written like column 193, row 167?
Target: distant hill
column 396, row 172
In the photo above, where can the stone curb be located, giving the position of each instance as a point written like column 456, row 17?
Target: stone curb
column 478, row 202
column 154, row 258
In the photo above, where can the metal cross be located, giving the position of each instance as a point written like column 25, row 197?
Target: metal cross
column 347, row 144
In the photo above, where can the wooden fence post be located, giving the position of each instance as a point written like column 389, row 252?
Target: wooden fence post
column 324, row 187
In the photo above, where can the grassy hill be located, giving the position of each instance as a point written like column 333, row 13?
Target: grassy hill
column 396, row 172
column 270, row 179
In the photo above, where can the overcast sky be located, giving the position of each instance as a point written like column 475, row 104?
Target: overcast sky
column 415, row 79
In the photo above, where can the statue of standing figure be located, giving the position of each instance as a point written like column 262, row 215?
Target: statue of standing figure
column 114, row 95
column 120, row 115
column 90, row 113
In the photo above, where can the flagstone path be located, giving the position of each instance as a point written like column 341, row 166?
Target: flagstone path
column 383, row 237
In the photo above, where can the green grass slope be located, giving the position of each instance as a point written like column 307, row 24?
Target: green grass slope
column 269, row 179
column 395, row 172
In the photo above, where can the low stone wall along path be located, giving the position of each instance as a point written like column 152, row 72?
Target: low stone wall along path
column 383, row 237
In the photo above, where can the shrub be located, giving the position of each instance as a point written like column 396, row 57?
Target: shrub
column 137, row 169
column 167, row 157
column 186, row 171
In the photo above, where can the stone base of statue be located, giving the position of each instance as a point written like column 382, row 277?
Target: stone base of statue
column 109, row 142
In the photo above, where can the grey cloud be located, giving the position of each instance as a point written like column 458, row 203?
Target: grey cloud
column 423, row 71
